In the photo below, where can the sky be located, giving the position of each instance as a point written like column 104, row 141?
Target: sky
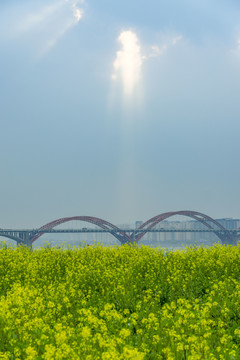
column 118, row 110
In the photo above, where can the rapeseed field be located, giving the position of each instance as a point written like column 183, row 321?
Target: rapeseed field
column 120, row 303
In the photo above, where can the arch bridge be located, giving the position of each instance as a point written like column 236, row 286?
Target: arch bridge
column 28, row 237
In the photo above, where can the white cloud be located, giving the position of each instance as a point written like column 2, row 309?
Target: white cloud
column 157, row 50
column 77, row 12
column 176, row 39
column 128, row 62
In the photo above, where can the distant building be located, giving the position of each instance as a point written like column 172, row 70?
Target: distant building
column 138, row 223
column 187, row 237
column 229, row 223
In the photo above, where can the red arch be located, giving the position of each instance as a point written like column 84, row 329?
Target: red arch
column 225, row 237
column 120, row 235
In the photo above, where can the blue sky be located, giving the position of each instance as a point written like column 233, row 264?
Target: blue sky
column 118, row 110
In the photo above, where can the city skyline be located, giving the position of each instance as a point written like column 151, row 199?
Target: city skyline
column 118, row 111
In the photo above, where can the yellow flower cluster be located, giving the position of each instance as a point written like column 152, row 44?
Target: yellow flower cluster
column 120, row 303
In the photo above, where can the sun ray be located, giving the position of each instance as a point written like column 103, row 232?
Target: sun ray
column 128, row 62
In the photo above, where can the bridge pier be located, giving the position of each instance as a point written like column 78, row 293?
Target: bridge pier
column 133, row 237
column 25, row 239
column 236, row 238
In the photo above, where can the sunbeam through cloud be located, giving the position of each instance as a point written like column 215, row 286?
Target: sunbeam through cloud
column 50, row 22
column 128, row 62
